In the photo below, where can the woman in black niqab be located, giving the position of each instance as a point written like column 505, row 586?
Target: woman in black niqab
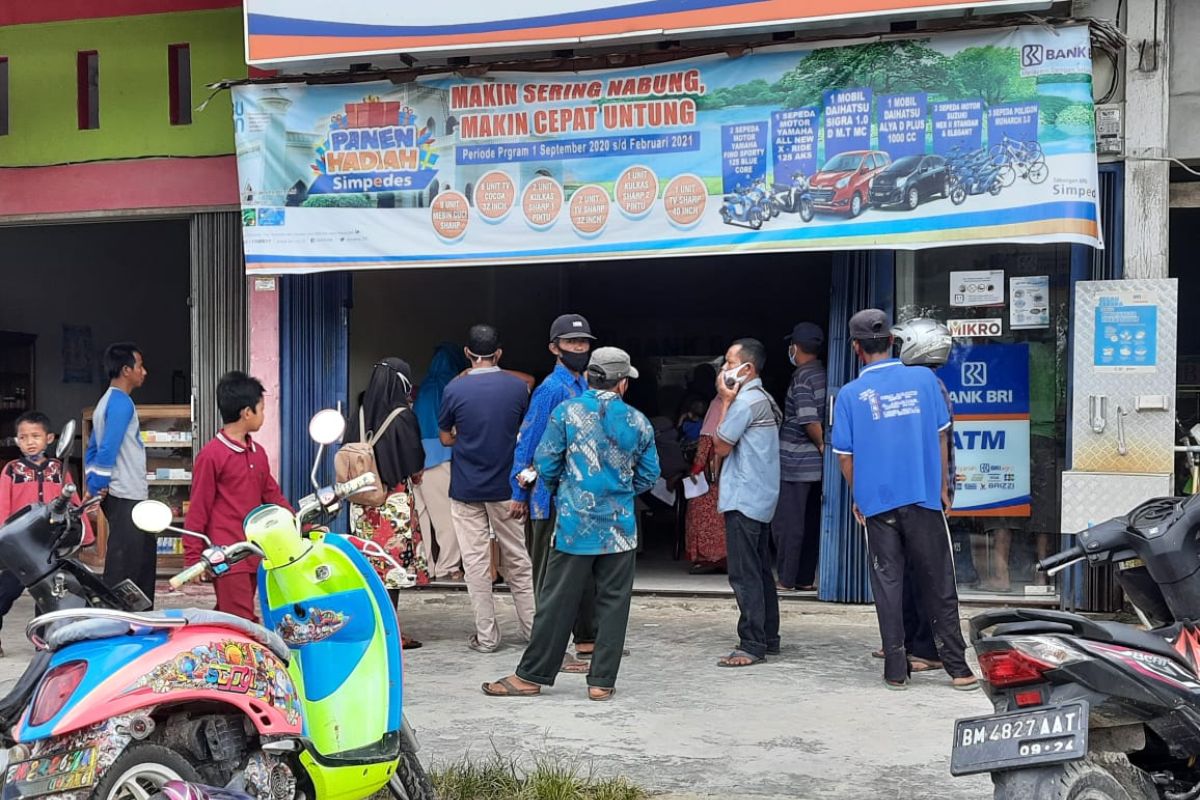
column 400, row 458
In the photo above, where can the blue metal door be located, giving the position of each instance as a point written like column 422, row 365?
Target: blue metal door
column 861, row 279
column 314, row 340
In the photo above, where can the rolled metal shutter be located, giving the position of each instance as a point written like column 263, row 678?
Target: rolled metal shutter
column 218, row 314
column 861, row 279
column 314, row 339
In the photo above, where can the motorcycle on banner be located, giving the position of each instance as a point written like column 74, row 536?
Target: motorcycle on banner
column 120, row 704
column 1090, row 708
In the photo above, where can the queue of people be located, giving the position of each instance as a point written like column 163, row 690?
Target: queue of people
column 553, row 476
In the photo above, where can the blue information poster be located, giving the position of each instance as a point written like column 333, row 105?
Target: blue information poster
column 1126, row 336
column 847, row 121
column 743, row 154
column 989, row 387
column 901, row 124
column 957, row 126
column 794, row 133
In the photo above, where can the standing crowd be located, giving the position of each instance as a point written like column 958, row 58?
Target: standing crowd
column 543, row 481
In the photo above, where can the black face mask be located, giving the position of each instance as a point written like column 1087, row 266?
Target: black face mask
column 576, row 362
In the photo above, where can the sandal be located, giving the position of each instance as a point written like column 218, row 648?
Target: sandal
column 601, row 693
column 409, row 644
column 575, row 666
column 510, row 689
column 895, row 686
column 967, row 684
column 923, row 664
column 878, row 653
column 740, row 658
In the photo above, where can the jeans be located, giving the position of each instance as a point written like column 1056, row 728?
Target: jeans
column 749, row 565
column 796, row 540
column 131, row 553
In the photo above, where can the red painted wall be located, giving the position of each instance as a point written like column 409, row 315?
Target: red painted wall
column 19, row 12
column 152, row 183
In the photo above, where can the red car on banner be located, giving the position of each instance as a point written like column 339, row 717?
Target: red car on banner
column 843, row 185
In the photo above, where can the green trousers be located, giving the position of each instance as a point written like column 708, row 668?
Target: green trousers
column 566, row 580
column 539, row 538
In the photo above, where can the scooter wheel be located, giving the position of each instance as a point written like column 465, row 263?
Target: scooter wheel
column 806, row 210
column 142, row 770
column 410, row 781
column 958, row 195
column 755, row 219
column 725, row 215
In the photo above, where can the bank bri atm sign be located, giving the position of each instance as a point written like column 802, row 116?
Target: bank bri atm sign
column 296, row 30
column 989, row 386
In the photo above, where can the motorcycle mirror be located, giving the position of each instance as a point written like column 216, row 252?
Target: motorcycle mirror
column 66, row 440
column 152, row 516
column 327, row 426
column 1195, row 432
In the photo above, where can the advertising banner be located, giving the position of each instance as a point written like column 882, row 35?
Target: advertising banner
column 989, row 387
column 296, row 30
column 959, row 138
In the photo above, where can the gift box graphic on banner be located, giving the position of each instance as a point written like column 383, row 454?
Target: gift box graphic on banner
column 706, row 155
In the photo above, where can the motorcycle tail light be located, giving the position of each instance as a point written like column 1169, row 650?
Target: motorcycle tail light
column 1028, row 697
column 1026, row 661
column 57, row 687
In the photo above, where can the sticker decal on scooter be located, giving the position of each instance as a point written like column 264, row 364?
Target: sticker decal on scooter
column 230, row 666
column 320, row 624
column 66, row 767
column 1188, row 645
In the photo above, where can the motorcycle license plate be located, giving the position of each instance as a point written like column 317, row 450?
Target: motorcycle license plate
column 52, row 774
column 1020, row 739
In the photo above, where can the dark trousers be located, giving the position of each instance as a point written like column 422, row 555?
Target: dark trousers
column 748, row 543
column 566, row 581
column 916, row 535
column 918, row 634
column 131, row 552
column 235, row 594
column 539, row 536
column 10, row 589
column 797, row 539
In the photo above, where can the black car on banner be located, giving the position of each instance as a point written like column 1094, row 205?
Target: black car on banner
column 910, row 180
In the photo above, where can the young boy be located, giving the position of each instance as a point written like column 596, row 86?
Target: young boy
column 230, row 479
column 33, row 478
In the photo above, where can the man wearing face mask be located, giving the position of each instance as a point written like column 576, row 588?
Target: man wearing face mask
column 748, row 439
column 571, row 344
column 795, row 528
column 480, row 412
column 598, row 454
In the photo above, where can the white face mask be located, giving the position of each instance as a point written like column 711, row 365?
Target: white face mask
column 733, row 377
column 792, row 356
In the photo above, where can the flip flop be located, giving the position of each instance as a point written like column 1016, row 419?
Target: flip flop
column 896, row 686
column 923, row 664
column 965, row 687
column 878, row 653
column 510, row 689
column 575, row 667
column 606, row 693
column 727, row 661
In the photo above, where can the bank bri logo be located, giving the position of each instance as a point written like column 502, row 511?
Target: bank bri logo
column 974, row 373
column 1032, row 55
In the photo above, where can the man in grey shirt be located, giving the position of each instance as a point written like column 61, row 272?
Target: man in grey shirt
column 115, row 463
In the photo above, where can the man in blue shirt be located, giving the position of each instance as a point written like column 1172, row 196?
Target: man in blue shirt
column 891, row 434
column 115, row 463
column 480, row 413
column 748, row 441
column 571, row 343
column 597, row 455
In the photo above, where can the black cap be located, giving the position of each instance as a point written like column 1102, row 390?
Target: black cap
column 806, row 333
column 570, row 326
column 870, row 323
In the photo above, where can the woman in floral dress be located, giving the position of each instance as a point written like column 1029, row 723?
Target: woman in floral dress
column 705, row 527
column 400, row 459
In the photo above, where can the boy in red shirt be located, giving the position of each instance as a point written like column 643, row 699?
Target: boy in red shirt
column 231, row 478
column 33, row 478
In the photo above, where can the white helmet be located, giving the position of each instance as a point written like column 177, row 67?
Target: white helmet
column 924, row 342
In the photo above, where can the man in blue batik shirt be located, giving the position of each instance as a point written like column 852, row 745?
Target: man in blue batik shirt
column 571, row 343
column 597, row 455
column 891, row 435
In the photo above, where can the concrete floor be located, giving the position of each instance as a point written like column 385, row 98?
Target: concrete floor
column 812, row 724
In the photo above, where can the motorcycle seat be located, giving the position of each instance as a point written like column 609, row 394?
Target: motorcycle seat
column 1149, row 641
column 83, row 630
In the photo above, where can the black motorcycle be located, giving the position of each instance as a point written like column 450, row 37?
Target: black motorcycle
column 38, row 545
column 1096, row 710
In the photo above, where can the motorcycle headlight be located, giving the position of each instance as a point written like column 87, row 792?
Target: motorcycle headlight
column 843, row 183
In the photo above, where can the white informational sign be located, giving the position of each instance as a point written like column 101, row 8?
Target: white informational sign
column 977, row 288
column 976, row 328
column 1029, row 302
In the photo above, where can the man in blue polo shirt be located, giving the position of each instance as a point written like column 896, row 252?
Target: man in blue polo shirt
column 891, row 435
